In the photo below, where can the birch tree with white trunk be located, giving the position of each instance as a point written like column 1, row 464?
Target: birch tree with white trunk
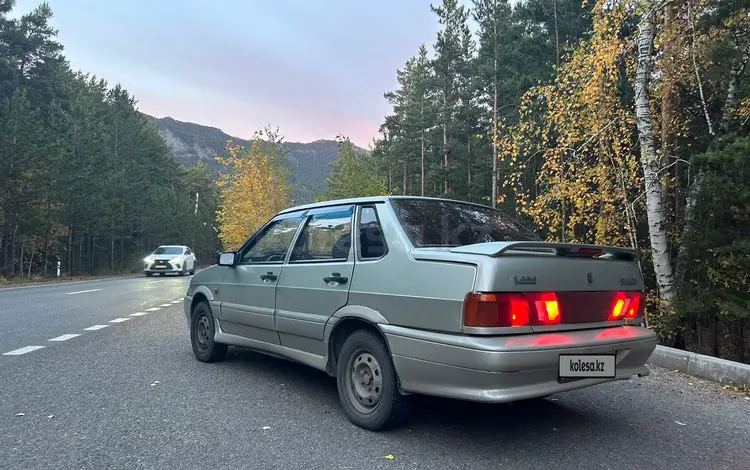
column 651, row 163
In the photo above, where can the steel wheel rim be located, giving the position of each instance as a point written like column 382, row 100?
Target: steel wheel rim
column 364, row 382
column 202, row 332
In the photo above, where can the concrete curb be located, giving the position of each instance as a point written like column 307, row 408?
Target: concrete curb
column 704, row 367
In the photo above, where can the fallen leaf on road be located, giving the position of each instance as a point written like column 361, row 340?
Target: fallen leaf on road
column 50, row 416
column 155, row 383
column 389, row 457
column 690, row 383
column 20, row 414
column 747, row 398
column 266, row 428
column 681, row 424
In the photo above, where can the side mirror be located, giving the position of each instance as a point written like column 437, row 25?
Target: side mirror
column 227, row 259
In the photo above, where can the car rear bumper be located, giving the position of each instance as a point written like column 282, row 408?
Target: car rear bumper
column 502, row 369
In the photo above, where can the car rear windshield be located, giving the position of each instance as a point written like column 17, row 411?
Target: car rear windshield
column 447, row 223
column 168, row 250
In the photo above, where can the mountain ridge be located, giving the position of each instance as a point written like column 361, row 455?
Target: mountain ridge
column 309, row 162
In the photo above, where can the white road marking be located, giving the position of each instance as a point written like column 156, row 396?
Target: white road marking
column 83, row 291
column 165, row 305
column 119, row 320
column 176, row 301
column 138, row 314
column 153, row 309
column 24, row 350
column 64, row 337
column 95, row 327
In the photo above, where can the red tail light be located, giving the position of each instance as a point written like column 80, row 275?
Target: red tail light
column 546, row 308
column 626, row 305
column 510, row 310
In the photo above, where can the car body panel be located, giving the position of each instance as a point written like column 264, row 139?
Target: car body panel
column 248, row 302
column 501, row 369
column 415, row 296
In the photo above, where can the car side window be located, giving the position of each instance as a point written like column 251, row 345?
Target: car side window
column 326, row 237
column 272, row 244
column 371, row 239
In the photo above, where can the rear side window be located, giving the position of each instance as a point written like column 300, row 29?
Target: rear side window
column 429, row 222
column 371, row 240
column 326, row 237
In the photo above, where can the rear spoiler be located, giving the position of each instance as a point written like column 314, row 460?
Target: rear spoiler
column 497, row 249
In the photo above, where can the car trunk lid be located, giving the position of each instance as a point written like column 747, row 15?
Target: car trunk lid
column 579, row 285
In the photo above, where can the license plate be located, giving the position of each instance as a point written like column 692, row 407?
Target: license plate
column 160, row 266
column 587, row 366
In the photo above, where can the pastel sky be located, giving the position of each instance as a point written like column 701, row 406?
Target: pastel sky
column 314, row 68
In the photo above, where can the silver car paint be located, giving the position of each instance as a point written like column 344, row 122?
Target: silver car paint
column 415, row 297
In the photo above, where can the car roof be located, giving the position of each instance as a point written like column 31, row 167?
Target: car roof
column 371, row 200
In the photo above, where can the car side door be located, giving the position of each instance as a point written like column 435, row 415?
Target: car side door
column 315, row 281
column 189, row 258
column 248, row 290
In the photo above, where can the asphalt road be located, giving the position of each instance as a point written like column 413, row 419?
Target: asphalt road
column 131, row 396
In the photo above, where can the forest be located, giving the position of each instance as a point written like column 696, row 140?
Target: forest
column 616, row 122
column 86, row 179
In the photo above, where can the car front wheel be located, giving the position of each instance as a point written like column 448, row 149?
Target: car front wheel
column 202, row 329
column 368, row 384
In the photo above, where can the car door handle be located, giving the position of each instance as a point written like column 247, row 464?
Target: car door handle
column 269, row 276
column 335, row 277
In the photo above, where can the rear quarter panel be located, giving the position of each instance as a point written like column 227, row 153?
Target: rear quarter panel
column 408, row 292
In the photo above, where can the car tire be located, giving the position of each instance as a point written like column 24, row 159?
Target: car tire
column 202, row 329
column 373, row 400
column 149, row 274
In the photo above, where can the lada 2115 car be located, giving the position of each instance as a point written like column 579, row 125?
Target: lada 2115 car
column 396, row 296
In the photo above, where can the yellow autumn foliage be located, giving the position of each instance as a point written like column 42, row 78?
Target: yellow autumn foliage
column 254, row 190
column 575, row 172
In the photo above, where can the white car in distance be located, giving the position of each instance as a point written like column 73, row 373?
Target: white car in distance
column 178, row 259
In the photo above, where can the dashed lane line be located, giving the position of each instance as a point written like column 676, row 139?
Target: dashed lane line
column 83, row 291
column 95, row 327
column 21, row 351
column 64, row 337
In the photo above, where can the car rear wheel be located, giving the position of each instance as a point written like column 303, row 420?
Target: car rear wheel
column 368, row 384
column 202, row 329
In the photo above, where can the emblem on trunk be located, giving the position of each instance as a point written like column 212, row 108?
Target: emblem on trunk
column 524, row 279
column 590, row 278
